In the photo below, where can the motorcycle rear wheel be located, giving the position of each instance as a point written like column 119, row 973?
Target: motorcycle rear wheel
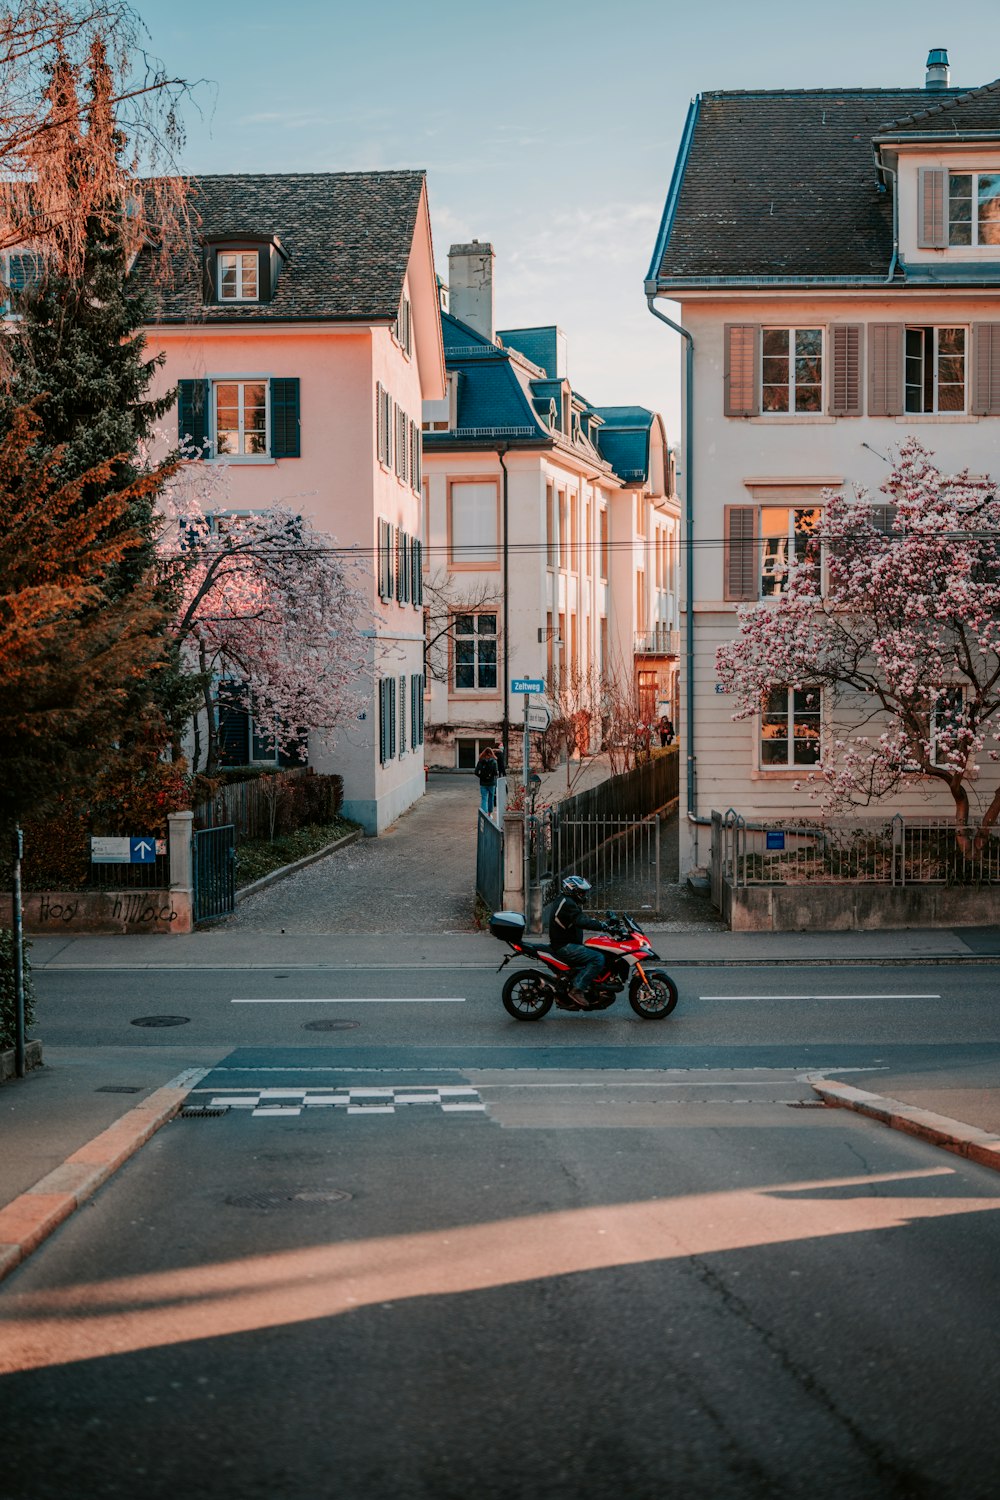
column 526, row 996
column 655, row 1001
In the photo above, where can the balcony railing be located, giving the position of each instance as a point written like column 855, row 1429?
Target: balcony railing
column 660, row 641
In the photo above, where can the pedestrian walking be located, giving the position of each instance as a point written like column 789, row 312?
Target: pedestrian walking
column 500, row 759
column 486, row 772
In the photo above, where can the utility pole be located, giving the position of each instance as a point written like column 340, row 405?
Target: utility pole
column 17, row 937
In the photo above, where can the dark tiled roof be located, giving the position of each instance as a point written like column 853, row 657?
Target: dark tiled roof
column 978, row 111
column 347, row 237
column 783, row 184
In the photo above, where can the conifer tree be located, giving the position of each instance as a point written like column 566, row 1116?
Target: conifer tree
column 72, row 653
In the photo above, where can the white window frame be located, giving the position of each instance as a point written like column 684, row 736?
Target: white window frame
column 790, row 558
column 935, row 409
column 241, row 381
column 975, row 243
column 951, row 694
column 477, row 687
column 800, row 767
column 239, row 256
column 792, row 329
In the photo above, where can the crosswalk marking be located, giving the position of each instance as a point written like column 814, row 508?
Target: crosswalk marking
column 267, row 1102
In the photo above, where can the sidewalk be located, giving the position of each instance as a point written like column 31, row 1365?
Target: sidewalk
column 66, row 1127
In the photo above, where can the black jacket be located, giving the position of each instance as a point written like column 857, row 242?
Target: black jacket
column 568, row 922
column 486, row 770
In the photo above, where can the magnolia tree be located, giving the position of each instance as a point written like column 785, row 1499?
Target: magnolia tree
column 902, row 638
column 267, row 602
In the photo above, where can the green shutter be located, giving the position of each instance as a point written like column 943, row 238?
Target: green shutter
column 285, row 419
column 264, row 274
column 192, row 414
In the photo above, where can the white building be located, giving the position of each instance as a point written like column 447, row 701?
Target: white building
column 836, row 257
column 551, row 531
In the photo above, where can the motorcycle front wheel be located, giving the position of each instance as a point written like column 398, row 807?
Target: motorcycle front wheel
column 655, row 1000
column 526, row 996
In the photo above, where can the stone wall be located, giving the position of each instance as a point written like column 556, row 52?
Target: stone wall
column 858, row 907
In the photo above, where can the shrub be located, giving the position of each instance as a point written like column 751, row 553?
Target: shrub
column 7, row 1016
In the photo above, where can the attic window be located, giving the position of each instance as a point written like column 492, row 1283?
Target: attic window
column 241, row 269
column 237, row 273
column 974, row 208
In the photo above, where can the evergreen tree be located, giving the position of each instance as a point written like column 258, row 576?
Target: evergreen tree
column 76, row 356
column 71, row 655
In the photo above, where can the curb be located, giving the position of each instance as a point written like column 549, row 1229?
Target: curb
column 299, row 864
column 962, row 1140
column 32, row 1217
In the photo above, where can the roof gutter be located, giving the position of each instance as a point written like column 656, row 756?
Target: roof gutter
column 883, row 166
column 692, row 799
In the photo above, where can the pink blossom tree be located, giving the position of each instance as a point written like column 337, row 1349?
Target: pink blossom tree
column 903, row 640
column 268, row 602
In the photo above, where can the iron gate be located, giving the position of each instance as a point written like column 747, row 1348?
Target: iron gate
column 214, row 873
column 623, row 858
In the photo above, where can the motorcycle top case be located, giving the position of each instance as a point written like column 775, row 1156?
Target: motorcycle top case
column 508, row 925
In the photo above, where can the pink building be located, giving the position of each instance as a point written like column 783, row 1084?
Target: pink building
column 303, row 335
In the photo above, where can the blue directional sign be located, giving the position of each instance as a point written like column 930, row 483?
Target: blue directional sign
column 527, row 685
column 141, row 851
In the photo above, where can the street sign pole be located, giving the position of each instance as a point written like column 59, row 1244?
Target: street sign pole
column 526, row 752
column 17, row 942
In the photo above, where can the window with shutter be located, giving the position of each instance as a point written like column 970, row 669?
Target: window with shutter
column 192, row 416
column 986, row 369
column 740, row 373
column 285, row 442
column 846, row 356
column 885, row 369
column 416, row 572
column 740, row 553
column 932, row 211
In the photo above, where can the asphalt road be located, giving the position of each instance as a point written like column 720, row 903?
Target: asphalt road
column 439, row 1254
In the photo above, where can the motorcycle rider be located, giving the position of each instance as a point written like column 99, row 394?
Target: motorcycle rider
column 567, row 924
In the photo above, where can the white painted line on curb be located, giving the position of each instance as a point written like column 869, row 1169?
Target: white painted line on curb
column 351, row 1000
column 819, row 997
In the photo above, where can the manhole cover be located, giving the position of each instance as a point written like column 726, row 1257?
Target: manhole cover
column 118, row 1088
column 161, row 1021
column 331, row 1025
column 265, row 1202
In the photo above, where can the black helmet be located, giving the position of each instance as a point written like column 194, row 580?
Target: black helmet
column 576, row 888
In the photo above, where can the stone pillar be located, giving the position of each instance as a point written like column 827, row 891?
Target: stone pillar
column 513, row 862
column 180, row 834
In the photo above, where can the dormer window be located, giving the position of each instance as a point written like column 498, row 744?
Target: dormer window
column 238, row 278
column 241, row 268
column 974, row 208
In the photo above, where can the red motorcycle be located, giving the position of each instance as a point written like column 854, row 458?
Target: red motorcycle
column 529, row 995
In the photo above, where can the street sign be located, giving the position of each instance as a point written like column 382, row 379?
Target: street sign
column 527, row 685
column 140, row 850
column 539, row 717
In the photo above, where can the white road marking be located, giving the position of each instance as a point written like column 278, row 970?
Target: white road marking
column 820, row 997
column 351, row 1000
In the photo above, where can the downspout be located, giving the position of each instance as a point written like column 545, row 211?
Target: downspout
column 881, row 166
column 692, row 800
column 502, row 452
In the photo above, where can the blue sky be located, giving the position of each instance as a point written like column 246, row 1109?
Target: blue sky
column 547, row 127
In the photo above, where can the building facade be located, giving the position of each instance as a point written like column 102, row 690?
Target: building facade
column 303, row 334
column 836, row 257
column 550, row 531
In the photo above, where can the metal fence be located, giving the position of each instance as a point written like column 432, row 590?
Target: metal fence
column 489, row 862
column 621, row 857
column 888, row 850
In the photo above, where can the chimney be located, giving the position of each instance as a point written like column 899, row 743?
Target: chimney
column 470, row 286
column 938, row 71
